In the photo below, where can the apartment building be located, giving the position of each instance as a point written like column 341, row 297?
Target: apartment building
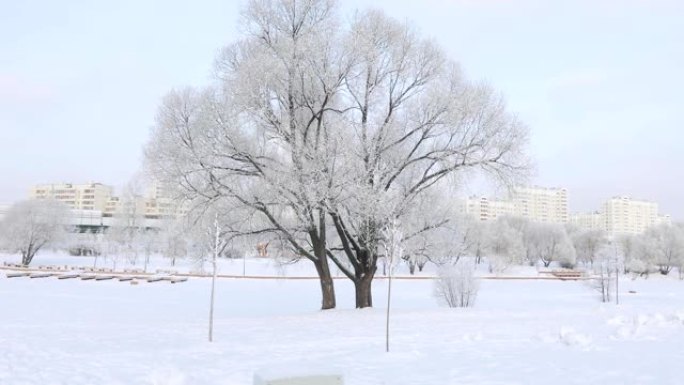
column 3, row 210
column 624, row 215
column 483, row 208
column 159, row 203
column 664, row 219
column 541, row 204
column 589, row 221
column 538, row 204
column 154, row 204
column 88, row 196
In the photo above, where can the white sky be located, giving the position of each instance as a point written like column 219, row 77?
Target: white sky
column 600, row 83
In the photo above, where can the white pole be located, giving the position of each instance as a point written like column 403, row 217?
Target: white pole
column 617, row 277
column 394, row 252
column 213, row 281
column 389, row 298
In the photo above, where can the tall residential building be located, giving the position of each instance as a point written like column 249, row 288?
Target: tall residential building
column 541, row 204
column 159, row 203
column 3, row 210
column 538, row 204
column 624, row 215
column 155, row 204
column 589, row 221
column 484, row 209
column 666, row 219
column 89, row 196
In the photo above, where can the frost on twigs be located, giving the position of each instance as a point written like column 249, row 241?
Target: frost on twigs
column 456, row 285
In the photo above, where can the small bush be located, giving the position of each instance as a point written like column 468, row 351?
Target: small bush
column 456, row 285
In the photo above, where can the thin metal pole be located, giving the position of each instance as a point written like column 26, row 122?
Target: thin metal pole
column 389, row 301
column 213, row 281
column 617, row 277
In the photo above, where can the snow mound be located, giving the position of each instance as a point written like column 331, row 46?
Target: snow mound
column 639, row 324
column 170, row 376
column 568, row 336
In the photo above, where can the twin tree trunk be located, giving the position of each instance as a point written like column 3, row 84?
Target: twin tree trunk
column 28, row 254
column 362, row 286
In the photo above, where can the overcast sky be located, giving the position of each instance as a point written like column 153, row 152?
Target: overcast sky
column 600, row 83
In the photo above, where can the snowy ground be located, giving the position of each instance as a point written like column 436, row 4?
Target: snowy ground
column 520, row 332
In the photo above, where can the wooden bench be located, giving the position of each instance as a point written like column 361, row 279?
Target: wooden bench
column 68, row 276
column 175, row 279
column 17, row 275
column 567, row 274
column 299, row 380
column 41, row 275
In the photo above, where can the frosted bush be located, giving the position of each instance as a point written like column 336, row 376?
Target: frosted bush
column 456, row 285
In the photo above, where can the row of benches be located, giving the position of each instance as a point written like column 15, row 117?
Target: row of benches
column 96, row 277
column 88, row 268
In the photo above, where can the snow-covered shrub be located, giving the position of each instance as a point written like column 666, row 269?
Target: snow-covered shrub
column 456, row 285
column 605, row 269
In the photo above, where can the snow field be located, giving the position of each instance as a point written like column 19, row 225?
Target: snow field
column 519, row 332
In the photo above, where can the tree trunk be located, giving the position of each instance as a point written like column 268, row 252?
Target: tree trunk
column 26, row 259
column 27, row 255
column 327, row 285
column 412, row 267
column 362, row 286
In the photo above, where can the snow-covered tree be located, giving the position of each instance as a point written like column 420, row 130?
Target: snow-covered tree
column 173, row 239
column 523, row 227
column 605, row 269
column 504, row 246
column 31, row 225
column 637, row 255
column 149, row 241
column 329, row 130
column 667, row 244
column 588, row 244
column 550, row 243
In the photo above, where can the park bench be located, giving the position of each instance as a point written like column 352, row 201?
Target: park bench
column 41, row 275
column 175, row 279
column 299, row 380
column 567, row 274
column 68, row 276
column 17, row 275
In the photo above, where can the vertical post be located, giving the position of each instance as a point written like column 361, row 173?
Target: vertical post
column 389, row 298
column 393, row 251
column 617, row 277
column 213, row 280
